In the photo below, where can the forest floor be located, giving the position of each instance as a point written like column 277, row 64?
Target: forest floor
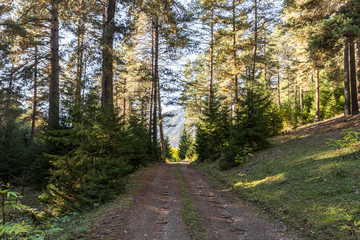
column 177, row 202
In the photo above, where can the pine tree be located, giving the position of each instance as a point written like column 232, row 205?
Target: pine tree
column 168, row 151
column 184, row 144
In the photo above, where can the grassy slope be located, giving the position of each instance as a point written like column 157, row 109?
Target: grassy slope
column 302, row 181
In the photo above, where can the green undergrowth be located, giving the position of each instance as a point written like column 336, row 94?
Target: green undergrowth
column 310, row 185
column 79, row 227
column 189, row 211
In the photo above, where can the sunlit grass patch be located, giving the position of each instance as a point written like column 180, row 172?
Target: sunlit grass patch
column 268, row 179
column 311, row 186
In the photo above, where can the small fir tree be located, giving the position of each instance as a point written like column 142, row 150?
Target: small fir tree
column 184, row 144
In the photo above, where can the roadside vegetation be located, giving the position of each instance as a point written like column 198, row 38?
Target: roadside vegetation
column 303, row 179
column 25, row 222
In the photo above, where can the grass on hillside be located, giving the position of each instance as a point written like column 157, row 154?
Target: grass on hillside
column 302, row 181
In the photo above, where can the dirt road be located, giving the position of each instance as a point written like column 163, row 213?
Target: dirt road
column 157, row 211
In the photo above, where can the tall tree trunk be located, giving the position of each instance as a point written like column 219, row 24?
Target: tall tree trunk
column 160, row 121
column 288, row 86
column 317, row 97
column 79, row 67
column 152, row 82
column 358, row 67
column 255, row 39
column 234, row 56
column 116, row 95
column 354, row 91
column 156, row 77
column 346, row 77
column 108, row 38
column 130, row 105
column 55, row 67
column 8, row 100
column 301, row 104
column 211, row 57
column 33, row 117
column 278, row 86
column 295, row 91
column 124, row 98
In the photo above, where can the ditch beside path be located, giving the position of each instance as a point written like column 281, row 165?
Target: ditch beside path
column 156, row 211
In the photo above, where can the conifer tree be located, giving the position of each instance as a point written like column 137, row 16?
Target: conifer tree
column 184, row 144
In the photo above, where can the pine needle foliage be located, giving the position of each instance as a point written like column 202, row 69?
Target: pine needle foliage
column 93, row 158
column 250, row 130
column 184, row 144
column 212, row 132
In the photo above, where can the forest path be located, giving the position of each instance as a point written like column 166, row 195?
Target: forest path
column 155, row 212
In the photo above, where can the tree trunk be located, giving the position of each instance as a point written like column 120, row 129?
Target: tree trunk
column 255, row 39
column 211, row 57
column 108, row 37
column 33, row 117
column 8, row 100
column 354, row 92
column 160, row 121
column 124, row 98
column 130, row 105
column 55, row 67
column 358, row 67
column 317, row 97
column 152, row 82
column 278, row 86
column 295, row 91
column 288, row 86
column 346, row 77
column 234, row 56
column 156, row 76
column 79, row 67
column 301, row 104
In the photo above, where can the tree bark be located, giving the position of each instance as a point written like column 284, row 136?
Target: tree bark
column 211, row 57
column 301, row 104
column 278, row 86
column 8, row 100
column 108, row 38
column 317, row 97
column 358, row 67
column 255, row 39
column 55, row 67
column 234, row 56
column 346, row 77
column 152, row 82
column 156, row 77
column 34, row 113
column 160, row 121
column 124, row 98
column 354, row 91
column 295, row 92
column 288, row 86
column 79, row 67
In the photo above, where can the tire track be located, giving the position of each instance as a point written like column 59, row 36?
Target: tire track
column 222, row 217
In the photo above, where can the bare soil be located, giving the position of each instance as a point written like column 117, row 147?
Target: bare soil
column 155, row 211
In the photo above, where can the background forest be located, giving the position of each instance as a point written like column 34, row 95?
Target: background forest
column 84, row 84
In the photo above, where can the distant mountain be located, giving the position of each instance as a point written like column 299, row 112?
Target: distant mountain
column 174, row 127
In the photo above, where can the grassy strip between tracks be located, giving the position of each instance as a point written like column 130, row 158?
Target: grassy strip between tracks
column 189, row 211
